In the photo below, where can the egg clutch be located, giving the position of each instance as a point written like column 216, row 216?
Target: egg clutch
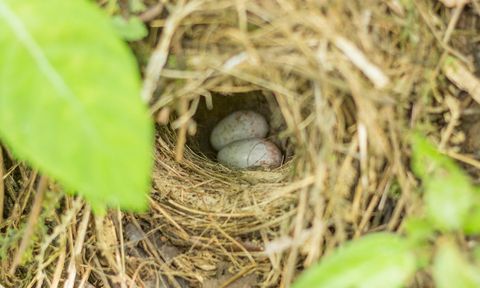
column 240, row 141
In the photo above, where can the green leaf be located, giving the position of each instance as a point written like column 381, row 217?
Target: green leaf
column 70, row 100
column 450, row 269
column 419, row 229
column 369, row 262
column 137, row 6
column 472, row 223
column 449, row 195
column 132, row 29
column 476, row 253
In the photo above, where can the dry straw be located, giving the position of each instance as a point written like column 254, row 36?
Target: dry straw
column 342, row 83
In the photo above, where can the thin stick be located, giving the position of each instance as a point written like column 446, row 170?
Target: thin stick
column 182, row 233
column 463, row 158
column 151, row 13
column 82, row 231
column 236, row 243
column 367, row 215
column 31, row 223
column 396, row 214
column 160, row 55
column 358, row 58
column 182, row 133
column 453, row 22
column 122, row 245
column 289, row 268
column 239, row 275
column 60, row 263
column 85, row 276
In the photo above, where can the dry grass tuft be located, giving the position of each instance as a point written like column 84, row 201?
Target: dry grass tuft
column 342, row 83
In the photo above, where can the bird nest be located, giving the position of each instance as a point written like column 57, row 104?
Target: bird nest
column 341, row 84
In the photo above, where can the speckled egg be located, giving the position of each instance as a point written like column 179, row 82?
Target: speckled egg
column 249, row 153
column 238, row 126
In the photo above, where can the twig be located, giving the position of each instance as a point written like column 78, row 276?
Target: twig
column 453, row 22
column 182, row 233
column 290, row 266
column 182, row 133
column 31, row 223
column 160, row 54
column 59, row 229
column 462, row 78
column 236, row 243
column 373, row 73
column 151, row 13
column 363, row 149
column 122, row 244
column 60, row 263
column 82, row 231
column 463, row 158
column 454, row 107
column 244, row 271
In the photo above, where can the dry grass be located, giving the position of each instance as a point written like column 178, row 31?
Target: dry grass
column 350, row 80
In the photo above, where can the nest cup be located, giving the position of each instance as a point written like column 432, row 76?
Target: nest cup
column 340, row 126
column 222, row 212
column 207, row 117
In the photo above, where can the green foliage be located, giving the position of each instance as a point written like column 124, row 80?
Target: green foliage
column 136, row 6
column 369, row 262
column 449, row 195
column 450, row 268
column 8, row 239
column 69, row 100
column 472, row 223
column 418, row 229
column 132, row 29
column 384, row 260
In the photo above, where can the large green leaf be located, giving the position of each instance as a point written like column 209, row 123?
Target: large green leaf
column 449, row 195
column 376, row 260
column 450, row 268
column 69, row 100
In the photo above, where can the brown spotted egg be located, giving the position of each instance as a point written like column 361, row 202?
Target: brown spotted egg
column 238, row 126
column 250, row 153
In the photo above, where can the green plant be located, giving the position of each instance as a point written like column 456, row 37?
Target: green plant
column 131, row 29
column 387, row 260
column 69, row 100
column 372, row 261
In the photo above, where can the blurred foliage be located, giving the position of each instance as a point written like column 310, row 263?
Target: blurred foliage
column 371, row 261
column 451, row 205
column 449, row 195
column 451, row 269
column 80, row 119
